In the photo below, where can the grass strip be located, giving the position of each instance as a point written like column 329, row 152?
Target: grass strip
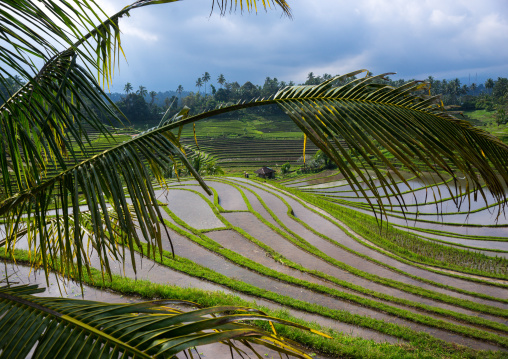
column 369, row 228
column 206, row 242
column 341, row 345
column 391, row 283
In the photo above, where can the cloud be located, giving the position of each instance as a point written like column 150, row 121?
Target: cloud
column 172, row 44
column 140, row 34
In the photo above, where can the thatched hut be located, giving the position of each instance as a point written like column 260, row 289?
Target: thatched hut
column 265, row 172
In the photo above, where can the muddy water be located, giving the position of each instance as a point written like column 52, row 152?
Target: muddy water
column 236, row 242
column 484, row 217
column 190, row 208
column 330, row 230
column 229, row 198
column 419, row 195
column 459, row 229
column 214, row 351
column 258, row 207
column 58, row 287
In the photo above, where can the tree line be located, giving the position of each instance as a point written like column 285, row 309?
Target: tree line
column 491, row 95
column 144, row 108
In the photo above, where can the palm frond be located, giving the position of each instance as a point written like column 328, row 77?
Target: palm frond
column 249, row 5
column 70, row 328
column 365, row 115
column 363, row 123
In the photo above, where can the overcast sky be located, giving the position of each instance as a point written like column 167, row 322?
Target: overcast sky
column 172, row 44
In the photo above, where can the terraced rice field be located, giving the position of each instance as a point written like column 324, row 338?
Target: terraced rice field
column 257, row 238
column 249, row 153
column 299, row 251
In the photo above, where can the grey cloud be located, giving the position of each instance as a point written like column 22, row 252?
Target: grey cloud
column 174, row 44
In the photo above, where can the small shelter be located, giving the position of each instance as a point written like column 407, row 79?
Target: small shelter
column 265, row 172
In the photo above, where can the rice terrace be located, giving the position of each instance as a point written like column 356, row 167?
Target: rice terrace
column 354, row 215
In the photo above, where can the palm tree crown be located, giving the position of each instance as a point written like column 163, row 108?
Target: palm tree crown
column 206, row 77
column 221, row 80
column 199, row 83
column 128, row 88
column 142, row 91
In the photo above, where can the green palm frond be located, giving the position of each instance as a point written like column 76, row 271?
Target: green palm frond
column 44, row 124
column 363, row 114
column 70, row 328
column 249, row 5
column 362, row 123
column 45, row 121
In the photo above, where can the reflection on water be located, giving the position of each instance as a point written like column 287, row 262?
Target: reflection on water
column 422, row 203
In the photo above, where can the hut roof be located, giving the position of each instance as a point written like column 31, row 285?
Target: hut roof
column 264, row 170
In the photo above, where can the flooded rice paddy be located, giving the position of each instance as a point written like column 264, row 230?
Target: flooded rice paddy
column 290, row 255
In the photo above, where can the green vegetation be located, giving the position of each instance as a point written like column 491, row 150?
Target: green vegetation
column 409, row 246
column 341, row 345
column 58, row 154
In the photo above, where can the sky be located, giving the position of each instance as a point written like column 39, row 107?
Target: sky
column 174, row 44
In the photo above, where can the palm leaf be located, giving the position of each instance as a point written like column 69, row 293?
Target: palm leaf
column 70, row 328
column 363, row 114
column 376, row 122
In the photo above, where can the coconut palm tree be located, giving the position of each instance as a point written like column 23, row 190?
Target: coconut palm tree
column 206, row 77
column 473, row 88
column 153, row 96
column 142, row 91
column 65, row 94
column 489, row 85
column 179, row 89
column 221, row 80
column 199, row 83
column 361, row 117
column 128, row 88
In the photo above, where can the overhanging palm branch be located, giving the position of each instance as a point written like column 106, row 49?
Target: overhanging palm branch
column 70, row 328
column 363, row 114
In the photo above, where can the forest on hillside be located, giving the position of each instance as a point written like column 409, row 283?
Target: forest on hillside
column 145, row 108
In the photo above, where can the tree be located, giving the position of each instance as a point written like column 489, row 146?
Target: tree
column 206, row 77
column 221, row 80
column 199, row 83
column 153, row 96
column 473, row 88
column 179, row 89
column 489, row 85
column 135, row 108
column 116, row 187
column 500, row 88
column 142, row 91
column 285, row 168
column 128, row 88
column 310, row 79
column 501, row 115
column 322, row 160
